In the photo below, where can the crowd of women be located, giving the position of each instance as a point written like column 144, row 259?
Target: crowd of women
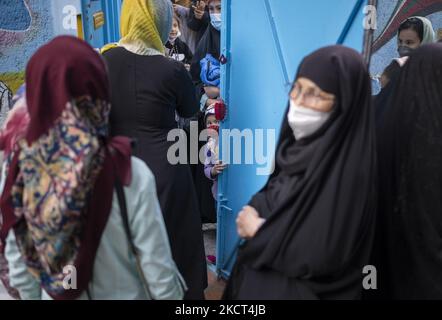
column 92, row 208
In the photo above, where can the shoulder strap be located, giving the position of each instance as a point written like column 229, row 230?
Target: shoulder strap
column 125, row 218
column 124, row 215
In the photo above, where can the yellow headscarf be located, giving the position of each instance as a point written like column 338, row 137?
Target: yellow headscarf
column 145, row 26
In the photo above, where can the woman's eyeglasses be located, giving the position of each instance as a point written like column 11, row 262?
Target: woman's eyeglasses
column 310, row 96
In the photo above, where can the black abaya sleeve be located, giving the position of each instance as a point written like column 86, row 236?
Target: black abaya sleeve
column 259, row 203
column 187, row 104
column 210, row 43
column 187, row 53
column 198, row 25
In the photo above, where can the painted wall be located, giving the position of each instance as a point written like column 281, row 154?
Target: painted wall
column 24, row 26
column 390, row 15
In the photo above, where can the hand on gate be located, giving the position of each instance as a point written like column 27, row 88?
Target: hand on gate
column 217, row 169
column 212, row 92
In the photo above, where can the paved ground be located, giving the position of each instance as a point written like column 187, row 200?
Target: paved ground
column 216, row 286
column 209, row 231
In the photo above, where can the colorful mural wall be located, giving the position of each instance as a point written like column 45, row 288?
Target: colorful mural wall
column 27, row 24
column 24, row 26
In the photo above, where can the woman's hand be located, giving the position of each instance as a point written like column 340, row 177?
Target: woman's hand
column 217, row 169
column 248, row 222
column 212, row 92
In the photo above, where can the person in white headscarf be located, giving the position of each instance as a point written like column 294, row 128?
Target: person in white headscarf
column 413, row 33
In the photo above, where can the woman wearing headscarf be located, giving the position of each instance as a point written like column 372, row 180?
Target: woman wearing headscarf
column 148, row 90
column 413, row 33
column 194, row 19
column 63, row 224
column 309, row 230
column 210, row 43
column 198, row 19
column 407, row 251
column 207, row 94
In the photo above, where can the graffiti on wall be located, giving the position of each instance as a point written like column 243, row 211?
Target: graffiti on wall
column 5, row 96
column 17, row 18
column 15, row 21
column 25, row 25
column 5, row 101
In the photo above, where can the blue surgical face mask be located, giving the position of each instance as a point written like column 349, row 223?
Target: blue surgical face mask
column 405, row 51
column 215, row 20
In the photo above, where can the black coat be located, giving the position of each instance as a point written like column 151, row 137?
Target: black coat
column 198, row 25
column 180, row 47
column 146, row 92
column 409, row 228
column 319, row 204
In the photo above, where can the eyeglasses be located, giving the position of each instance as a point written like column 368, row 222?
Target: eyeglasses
column 311, row 97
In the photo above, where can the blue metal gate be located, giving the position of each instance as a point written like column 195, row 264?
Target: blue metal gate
column 264, row 41
column 100, row 20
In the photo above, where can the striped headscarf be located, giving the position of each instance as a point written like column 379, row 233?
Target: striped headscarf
column 145, row 26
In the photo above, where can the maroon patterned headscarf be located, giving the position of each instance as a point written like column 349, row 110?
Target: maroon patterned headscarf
column 67, row 97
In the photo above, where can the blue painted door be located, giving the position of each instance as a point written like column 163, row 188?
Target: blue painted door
column 264, row 41
column 100, row 20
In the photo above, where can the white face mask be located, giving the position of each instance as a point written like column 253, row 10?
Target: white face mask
column 172, row 39
column 215, row 20
column 305, row 121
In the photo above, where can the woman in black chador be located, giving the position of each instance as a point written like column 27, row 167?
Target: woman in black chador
column 148, row 90
column 309, row 231
column 409, row 230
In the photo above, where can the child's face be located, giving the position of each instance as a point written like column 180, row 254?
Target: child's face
column 211, row 120
column 175, row 29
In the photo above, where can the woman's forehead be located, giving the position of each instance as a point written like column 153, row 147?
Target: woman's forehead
column 308, row 84
column 408, row 34
column 305, row 82
column 215, row 3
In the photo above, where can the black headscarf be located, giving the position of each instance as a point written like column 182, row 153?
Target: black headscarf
column 410, row 167
column 320, row 201
column 209, row 43
column 383, row 99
